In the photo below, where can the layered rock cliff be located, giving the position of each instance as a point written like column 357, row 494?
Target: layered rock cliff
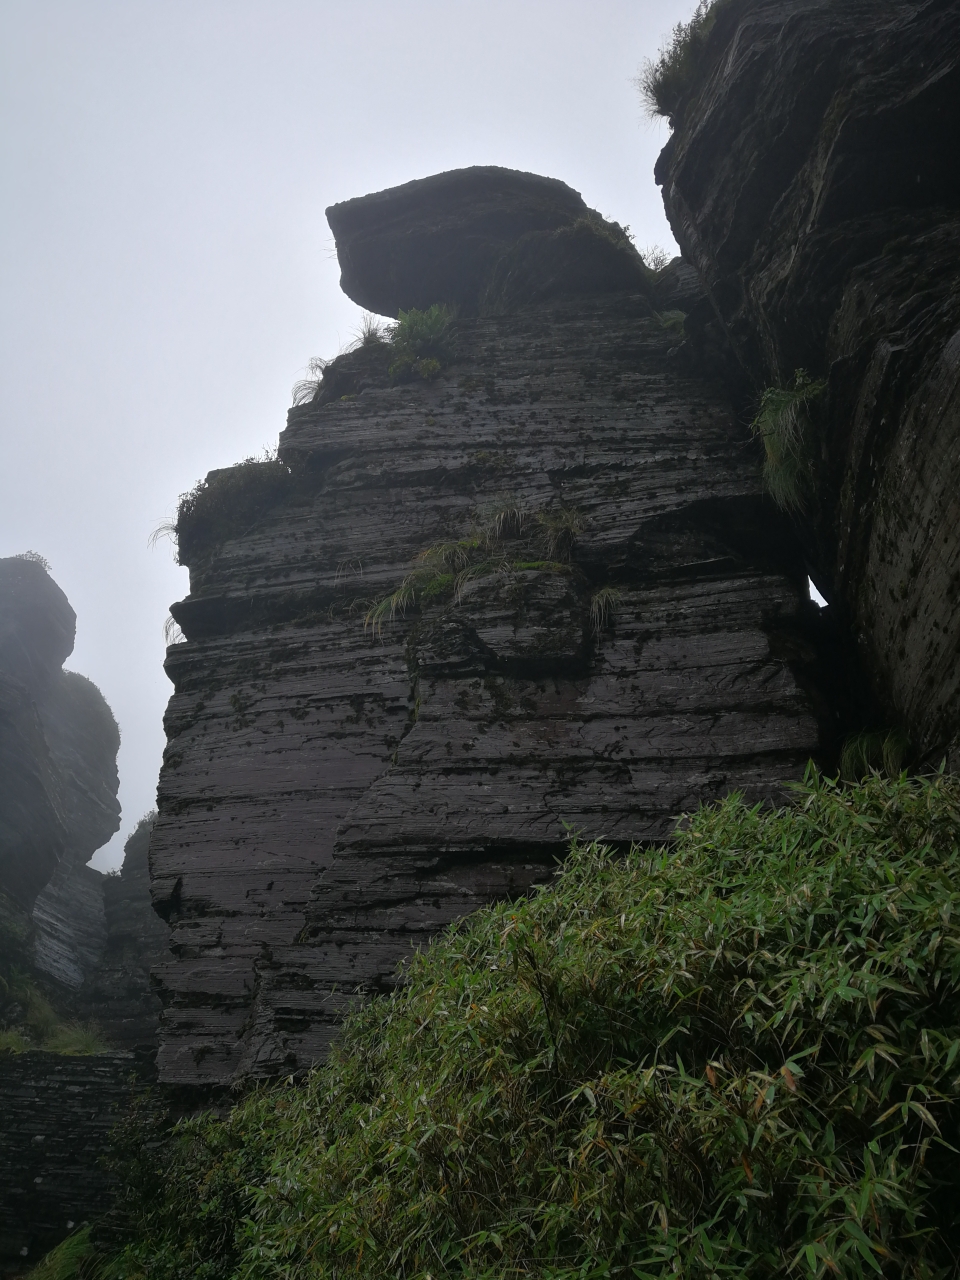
column 616, row 627
column 812, row 180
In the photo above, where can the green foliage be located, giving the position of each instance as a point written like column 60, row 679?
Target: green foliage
column 76, row 1038
column 667, row 80
column 734, row 1057
column 226, row 504
column 443, row 571
column 419, row 341
column 672, row 321
column 14, row 1041
column 781, row 424
column 874, row 751
column 72, row 1259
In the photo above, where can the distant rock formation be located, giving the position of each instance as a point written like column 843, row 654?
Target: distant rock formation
column 37, row 628
column 75, row 945
column 83, row 739
column 65, row 921
column 812, row 181
column 635, row 638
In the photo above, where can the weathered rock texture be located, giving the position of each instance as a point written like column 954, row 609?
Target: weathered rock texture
column 55, row 1120
column 83, row 739
column 812, row 180
column 118, row 993
column 332, row 796
column 437, row 239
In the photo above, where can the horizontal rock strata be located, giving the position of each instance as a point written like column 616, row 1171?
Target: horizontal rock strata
column 332, row 794
column 55, row 1122
column 812, row 181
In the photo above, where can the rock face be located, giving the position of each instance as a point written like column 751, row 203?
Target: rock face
column 437, row 239
column 812, row 181
column 84, row 739
column 55, row 1121
column 36, row 635
column 631, row 636
column 118, row 993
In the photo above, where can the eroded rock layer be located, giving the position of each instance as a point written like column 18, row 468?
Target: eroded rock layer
column 633, row 643
column 812, row 180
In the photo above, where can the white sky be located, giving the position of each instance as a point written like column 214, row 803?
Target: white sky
column 167, row 271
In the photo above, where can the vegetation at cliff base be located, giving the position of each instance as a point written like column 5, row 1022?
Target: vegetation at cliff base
column 734, row 1056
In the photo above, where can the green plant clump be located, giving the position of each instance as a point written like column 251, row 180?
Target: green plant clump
column 226, row 504
column 443, row 571
column 419, row 343
column 781, row 423
column 736, row 1056
column 874, row 750
column 666, row 81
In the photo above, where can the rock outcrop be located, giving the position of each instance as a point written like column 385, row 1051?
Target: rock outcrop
column 62, row 921
column 437, row 239
column 83, row 739
column 36, row 636
column 812, row 181
column 118, row 993
column 630, row 635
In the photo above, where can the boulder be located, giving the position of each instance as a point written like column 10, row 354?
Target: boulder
column 437, row 239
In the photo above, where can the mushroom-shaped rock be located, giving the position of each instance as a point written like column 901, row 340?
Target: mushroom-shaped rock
column 437, row 239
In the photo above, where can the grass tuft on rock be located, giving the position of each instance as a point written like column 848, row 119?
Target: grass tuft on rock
column 665, row 82
column 735, row 1056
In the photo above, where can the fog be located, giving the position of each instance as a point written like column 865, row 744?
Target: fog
column 167, row 270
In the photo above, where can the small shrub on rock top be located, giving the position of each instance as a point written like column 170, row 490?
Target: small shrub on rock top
column 419, row 341
column 665, row 82
column 226, row 504
column 736, row 1056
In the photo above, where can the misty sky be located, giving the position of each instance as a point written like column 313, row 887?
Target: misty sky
column 167, row 270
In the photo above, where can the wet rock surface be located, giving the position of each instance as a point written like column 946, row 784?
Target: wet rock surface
column 334, row 794
column 811, row 181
